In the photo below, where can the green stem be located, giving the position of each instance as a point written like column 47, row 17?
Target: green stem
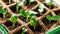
column 9, row 1
column 4, row 16
column 13, row 24
column 22, row 33
column 26, row 19
column 17, row 8
column 34, row 27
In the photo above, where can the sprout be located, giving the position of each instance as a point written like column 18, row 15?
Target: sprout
column 33, row 22
column 50, row 18
column 17, row 4
column 14, row 19
column 28, row 14
column 2, row 11
column 48, row 2
column 41, row 8
column 24, row 30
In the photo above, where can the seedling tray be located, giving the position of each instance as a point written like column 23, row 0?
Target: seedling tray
column 43, row 24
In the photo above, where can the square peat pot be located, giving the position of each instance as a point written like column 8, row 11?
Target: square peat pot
column 54, row 31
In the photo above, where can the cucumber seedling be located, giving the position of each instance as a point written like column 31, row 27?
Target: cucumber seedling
column 2, row 11
column 48, row 2
column 14, row 19
column 41, row 8
column 17, row 4
column 27, row 14
column 50, row 18
column 24, row 30
column 33, row 22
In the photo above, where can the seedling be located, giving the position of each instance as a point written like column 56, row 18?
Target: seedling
column 24, row 2
column 17, row 4
column 2, row 11
column 14, row 19
column 48, row 2
column 41, row 8
column 50, row 18
column 24, row 30
column 27, row 14
column 33, row 22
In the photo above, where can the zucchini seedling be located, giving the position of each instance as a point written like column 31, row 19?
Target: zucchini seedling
column 41, row 8
column 2, row 11
column 14, row 19
column 48, row 2
column 24, row 30
column 50, row 18
column 27, row 14
column 33, row 22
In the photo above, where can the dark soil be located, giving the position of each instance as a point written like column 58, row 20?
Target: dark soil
column 51, row 6
column 8, row 24
column 57, row 12
column 38, row 29
column 13, row 8
column 19, row 32
column 32, row 5
column 7, row 2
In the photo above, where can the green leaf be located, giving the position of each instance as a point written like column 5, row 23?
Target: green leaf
column 48, row 17
column 30, row 14
column 23, row 13
column 33, row 22
column 24, row 30
column 41, row 8
column 14, row 19
column 1, row 10
column 31, row 0
column 56, row 17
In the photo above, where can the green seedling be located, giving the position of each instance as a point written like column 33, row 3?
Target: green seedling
column 17, row 4
column 24, row 2
column 2, row 11
column 27, row 14
column 24, row 30
column 33, row 22
column 50, row 18
column 14, row 19
column 48, row 2
column 41, row 8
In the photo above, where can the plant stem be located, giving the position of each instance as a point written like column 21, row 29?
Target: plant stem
column 9, row 1
column 26, row 19
column 22, row 33
column 34, row 27
column 4, row 16
column 13, row 24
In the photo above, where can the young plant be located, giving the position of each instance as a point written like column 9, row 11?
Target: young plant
column 50, row 18
column 48, row 2
column 27, row 14
column 24, row 30
column 41, row 8
column 2, row 11
column 33, row 22
column 24, row 2
column 14, row 19
column 17, row 4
